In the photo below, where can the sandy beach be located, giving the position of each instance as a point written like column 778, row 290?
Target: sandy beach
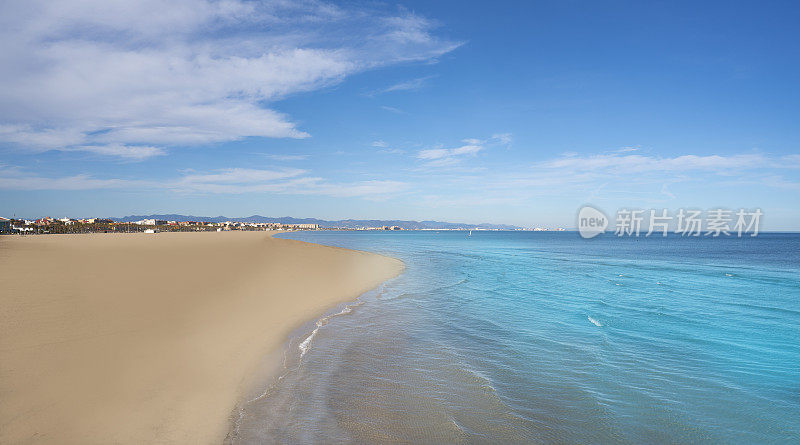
column 142, row 338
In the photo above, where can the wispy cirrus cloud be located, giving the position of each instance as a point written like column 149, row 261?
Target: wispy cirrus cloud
column 392, row 109
column 449, row 153
column 607, row 177
column 633, row 177
column 242, row 176
column 442, row 157
column 92, row 74
column 132, row 152
column 634, row 163
column 232, row 181
column 287, row 157
column 15, row 178
column 503, row 138
column 406, row 85
column 385, row 147
column 70, row 140
column 574, row 177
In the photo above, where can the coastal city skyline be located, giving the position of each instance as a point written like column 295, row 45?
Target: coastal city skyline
column 517, row 114
column 590, row 222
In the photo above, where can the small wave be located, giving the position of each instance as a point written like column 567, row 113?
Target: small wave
column 305, row 344
column 595, row 322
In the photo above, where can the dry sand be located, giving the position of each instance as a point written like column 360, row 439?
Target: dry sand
column 141, row 338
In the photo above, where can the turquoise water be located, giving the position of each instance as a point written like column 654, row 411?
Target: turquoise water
column 520, row 337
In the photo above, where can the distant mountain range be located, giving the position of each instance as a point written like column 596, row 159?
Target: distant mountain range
column 344, row 224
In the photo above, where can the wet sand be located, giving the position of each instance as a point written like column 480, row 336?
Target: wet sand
column 154, row 338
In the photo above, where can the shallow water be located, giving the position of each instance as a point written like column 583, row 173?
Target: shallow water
column 545, row 337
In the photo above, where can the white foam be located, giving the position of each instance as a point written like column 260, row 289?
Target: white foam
column 320, row 323
column 307, row 342
column 304, row 346
column 594, row 322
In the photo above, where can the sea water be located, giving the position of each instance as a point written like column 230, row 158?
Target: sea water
column 528, row 337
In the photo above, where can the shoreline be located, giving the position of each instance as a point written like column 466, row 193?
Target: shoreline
column 282, row 361
column 163, row 340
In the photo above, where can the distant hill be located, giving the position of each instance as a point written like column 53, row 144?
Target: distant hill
column 344, row 224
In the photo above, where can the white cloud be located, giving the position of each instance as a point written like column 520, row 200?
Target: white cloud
column 790, row 161
column 384, row 147
column 154, row 74
column 285, row 181
column 242, row 176
column 13, row 178
column 627, row 149
column 288, row 157
column 439, row 153
column 392, row 109
column 779, row 182
column 625, row 176
column 43, row 139
column 133, row 152
column 78, row 182
column 407, row 85
column 446, row 157
column 289, row 181
column 640, row 163
column 503, row 138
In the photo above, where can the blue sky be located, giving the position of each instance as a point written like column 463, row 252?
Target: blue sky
column 517, row 112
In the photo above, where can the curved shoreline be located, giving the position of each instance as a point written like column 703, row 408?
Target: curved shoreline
column 279, row 364
column 155, row 338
